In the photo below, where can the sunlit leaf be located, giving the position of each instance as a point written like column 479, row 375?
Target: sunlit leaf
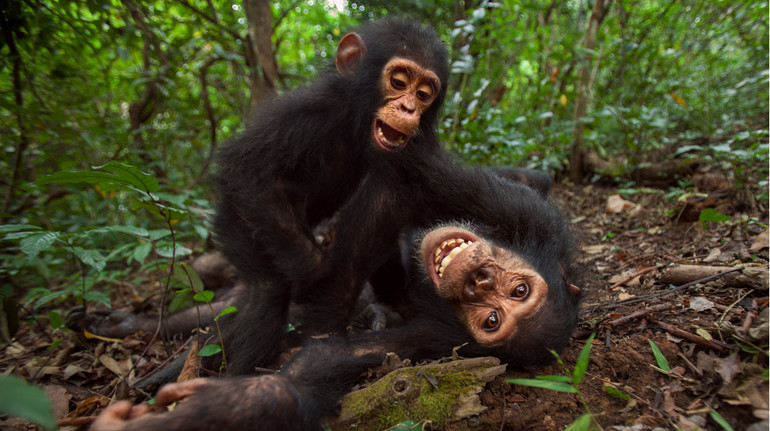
column 720, row 420
column 581, row 424
column 616, row 393
column 582, row 362
column 678, row 99
column 662, row 362
column 229, row 310
column 545, row 384
column 209, row 350
column 205, row 296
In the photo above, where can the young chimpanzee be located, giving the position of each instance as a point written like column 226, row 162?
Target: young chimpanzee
column 499, row 280
column 304, row 156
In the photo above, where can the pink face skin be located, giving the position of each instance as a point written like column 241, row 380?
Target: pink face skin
column 490, row 287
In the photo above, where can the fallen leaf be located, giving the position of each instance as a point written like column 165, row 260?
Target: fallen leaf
column 60, row 399
column 713, row 255
column 623, row 296
column 760, row 242
column 704, row 334
column 616, row 204
column 700, row 303
column 111, row 365
column 728, row 367
column 594, row 249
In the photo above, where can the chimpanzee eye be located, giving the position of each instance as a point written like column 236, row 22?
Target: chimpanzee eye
column 520, row 291
column 396, row 83
column 492, row 322
column 423, row 95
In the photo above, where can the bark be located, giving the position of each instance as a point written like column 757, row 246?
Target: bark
column 18, row 94
column 259, row 50
column 577, row 167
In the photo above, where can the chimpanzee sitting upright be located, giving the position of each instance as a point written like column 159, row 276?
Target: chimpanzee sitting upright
column 304, row 156
column 497, row 283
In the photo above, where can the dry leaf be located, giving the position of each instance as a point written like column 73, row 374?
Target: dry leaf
column 60, row 399
column 760, row 242
column 704, row 334
column 700, row 303
column 713, row 255
column 112, row 365
column 616, row 204
column 728, row 367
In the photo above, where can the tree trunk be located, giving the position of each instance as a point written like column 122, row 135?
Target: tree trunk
column 576, row 168
column 259, row 50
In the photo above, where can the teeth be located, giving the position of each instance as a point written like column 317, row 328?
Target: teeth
column 457, row 245
column 398, row 143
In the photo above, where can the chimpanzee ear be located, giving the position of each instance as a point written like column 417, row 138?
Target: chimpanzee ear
column 350, row 51
column 575, row 291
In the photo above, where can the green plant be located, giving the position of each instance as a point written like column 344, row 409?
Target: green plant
column 21, row 399
column 569, row 383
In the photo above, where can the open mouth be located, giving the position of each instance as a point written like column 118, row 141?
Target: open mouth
column 441, row 246
column 445, row 252
column 387, row 137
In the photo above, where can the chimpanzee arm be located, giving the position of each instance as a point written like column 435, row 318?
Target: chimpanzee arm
column 298, row 398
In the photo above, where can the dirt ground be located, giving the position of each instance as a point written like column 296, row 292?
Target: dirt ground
column 713, row 334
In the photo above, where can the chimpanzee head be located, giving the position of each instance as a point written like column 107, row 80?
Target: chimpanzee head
column 399, row 71
column 514, row 299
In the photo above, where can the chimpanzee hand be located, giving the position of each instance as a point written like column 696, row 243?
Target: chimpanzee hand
column 211, row 404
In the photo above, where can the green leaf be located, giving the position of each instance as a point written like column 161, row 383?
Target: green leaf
column 168, row 249
column 545, row 384
column 616, row 393
column 209, row 350
column 130, row 230
column 565, row 379
column 181, row 300
column 21, row 399
column 55, row 320
column 18, row 227
column 720, row 420
column 229, row 310
column 710, row 214
column 142, row 251
column 408, row 425
column 96, row 296
column 92, row 258
column 131, row 175
column 662, row 362
column 582, row 362
column 205, row 296
column 581, row 424
column 33, row 244
column 188, row 277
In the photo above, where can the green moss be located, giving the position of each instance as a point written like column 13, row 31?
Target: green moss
column 376, row 407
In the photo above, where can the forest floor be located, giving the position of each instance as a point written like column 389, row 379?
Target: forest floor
column 713, row 334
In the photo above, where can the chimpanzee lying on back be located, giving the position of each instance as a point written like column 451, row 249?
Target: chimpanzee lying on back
column 496, row 281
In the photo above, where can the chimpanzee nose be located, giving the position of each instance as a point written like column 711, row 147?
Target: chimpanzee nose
column 479, row 282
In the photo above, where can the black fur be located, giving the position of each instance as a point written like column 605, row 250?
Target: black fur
column 300, row 160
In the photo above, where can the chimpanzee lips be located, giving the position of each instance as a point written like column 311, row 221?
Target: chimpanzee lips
column 387, row 137
column 446, row 251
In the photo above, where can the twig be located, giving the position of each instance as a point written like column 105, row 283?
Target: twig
column 664, row 293
column 638, row 314
column 697, row 339
column 633, row 276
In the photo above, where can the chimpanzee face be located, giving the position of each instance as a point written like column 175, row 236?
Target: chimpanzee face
column 491, row 288
column 407, row 88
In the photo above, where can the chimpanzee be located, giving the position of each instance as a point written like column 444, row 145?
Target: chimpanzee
column 304, row 156
column 496, row 282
